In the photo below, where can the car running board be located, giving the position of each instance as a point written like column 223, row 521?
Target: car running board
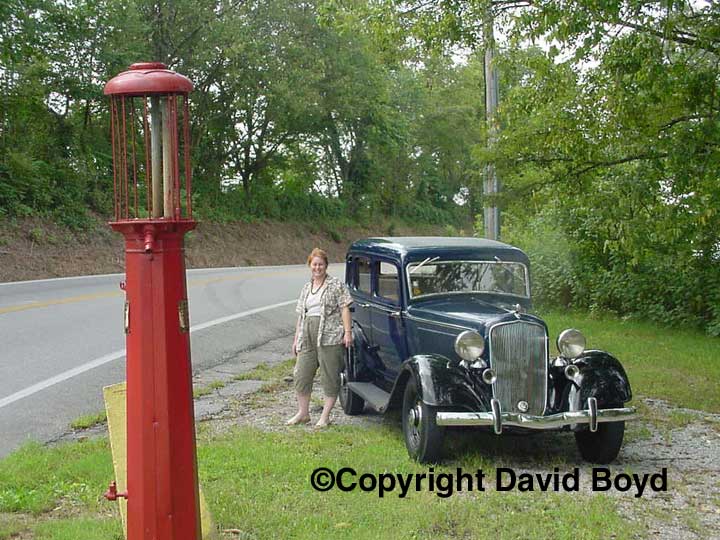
column 375, row 397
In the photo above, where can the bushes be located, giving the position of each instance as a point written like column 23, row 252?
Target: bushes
column 668, row 283
column 553, row 268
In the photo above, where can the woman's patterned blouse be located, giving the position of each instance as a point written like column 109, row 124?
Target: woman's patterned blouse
column 335, row 296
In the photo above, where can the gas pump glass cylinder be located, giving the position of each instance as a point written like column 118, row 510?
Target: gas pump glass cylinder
column 150, row 135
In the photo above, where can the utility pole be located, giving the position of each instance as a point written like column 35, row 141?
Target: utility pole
column 491, row 185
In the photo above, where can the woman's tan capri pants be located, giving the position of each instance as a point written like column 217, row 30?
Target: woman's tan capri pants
column 328, row 357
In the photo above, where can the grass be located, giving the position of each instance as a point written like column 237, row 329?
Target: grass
column 81, row 528
column 10, row 525
column 36, row 479
column 265, row 372
column 258, row 483
column 207, row 390
column 89, row 420
column 678, row 365
column 273, row 375
column 239, row 484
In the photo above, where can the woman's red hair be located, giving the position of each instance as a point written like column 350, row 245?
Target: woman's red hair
column 317, row 252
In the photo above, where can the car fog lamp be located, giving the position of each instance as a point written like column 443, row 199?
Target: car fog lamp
column 469, row 345
column 489, row 376
column 571, row 372
column 571, row 343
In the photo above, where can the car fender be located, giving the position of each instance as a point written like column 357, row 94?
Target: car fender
column 601, row 376
column 442, row 384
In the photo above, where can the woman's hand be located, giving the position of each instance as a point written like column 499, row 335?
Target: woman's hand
column 347, row 325
column 297, row 333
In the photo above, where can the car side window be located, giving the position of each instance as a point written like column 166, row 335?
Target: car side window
column 389, row 282
column 363, row 283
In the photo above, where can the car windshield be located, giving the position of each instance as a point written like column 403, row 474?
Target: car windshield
column 432, row 276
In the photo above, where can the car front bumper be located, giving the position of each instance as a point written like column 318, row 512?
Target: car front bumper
column 498, row 419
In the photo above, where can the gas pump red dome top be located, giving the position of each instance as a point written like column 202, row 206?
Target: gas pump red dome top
column 146, row 78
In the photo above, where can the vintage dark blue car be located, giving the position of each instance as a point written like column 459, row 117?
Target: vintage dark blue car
column 442, row 330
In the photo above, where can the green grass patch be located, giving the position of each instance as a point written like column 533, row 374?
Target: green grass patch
column 675, row 364
column 273, row 375
column 89, row 420
column 82, row 528
column 265, row 372
column 36, row 479
column 207, row 390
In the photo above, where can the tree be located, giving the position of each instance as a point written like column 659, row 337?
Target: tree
column 267, row 90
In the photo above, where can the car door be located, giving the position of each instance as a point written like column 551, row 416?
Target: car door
column 358, row 277
column 387, row 322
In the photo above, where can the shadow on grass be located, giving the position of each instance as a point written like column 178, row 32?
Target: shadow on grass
column 526, row 448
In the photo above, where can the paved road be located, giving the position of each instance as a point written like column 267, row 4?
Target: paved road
column 61, row 340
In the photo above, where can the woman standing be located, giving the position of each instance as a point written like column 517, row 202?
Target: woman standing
column 324, row 326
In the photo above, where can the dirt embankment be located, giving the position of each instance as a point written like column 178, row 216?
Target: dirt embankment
column 35, row 249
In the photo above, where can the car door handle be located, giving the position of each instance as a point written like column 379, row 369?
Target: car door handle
column 363, row 305
column 395, row 314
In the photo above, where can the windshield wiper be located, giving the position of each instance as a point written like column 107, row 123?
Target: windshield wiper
column 509, row 270
column 517, row 309
column 428, row 260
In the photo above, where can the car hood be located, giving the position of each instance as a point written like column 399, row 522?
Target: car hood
column 467, row 311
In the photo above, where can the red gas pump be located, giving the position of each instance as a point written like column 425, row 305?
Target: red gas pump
column 150, row 127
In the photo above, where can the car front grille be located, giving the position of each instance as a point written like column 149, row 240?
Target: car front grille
column 518, row 354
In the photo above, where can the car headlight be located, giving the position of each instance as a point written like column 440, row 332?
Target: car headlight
column 469, row 345
column 571, row 343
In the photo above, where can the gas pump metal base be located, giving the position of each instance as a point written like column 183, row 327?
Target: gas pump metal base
column 162, row 492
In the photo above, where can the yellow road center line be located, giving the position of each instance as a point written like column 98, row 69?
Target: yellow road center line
column 58, row 301
column 111, row 294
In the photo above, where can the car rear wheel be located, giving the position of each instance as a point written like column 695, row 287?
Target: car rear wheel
column 423, row 437
column 351, row 403
column 603, row 446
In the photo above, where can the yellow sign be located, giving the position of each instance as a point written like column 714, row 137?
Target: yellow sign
column 115, row 396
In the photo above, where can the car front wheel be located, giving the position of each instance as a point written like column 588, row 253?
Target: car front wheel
column 603, row 446
column 423, row 437
column 351, row 403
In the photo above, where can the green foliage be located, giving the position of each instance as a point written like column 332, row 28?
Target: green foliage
column 608, row 149
column 609, row 172
column 303, row 114
column 552, row 262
